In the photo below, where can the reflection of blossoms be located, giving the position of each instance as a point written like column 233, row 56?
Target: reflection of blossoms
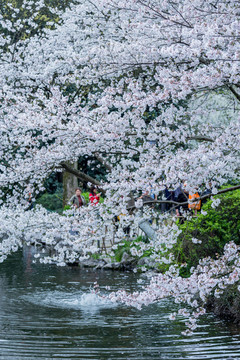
column 172, row 316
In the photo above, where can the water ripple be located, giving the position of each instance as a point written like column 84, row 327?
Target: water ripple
column 49, row 313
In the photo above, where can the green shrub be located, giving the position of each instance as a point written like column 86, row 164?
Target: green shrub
column 125, row 247
column 86, row 196
column 67, row 207
column 215, row 229
column 52, row 202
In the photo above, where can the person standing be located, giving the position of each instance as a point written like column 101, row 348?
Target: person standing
column 77, row 200
column 181, row 196
column 146, row 196
column 94, row 197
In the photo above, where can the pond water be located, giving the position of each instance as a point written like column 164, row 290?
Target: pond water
column 47, row 312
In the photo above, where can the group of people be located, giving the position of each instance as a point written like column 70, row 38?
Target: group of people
column 185, row 200
column 78, row 200
column 180, row 195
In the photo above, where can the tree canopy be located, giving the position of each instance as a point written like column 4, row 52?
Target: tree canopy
column 149, row 88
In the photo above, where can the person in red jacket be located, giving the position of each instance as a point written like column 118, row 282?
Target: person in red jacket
column 94, row 196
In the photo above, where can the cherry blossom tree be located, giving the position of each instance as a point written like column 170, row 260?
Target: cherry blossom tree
column 149, row 88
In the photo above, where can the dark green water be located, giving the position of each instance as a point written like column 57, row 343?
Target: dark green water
column 48, row 312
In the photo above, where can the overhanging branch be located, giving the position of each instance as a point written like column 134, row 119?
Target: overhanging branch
column 80, row 175
column 235, row 93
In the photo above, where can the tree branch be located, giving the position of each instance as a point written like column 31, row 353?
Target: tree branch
column 103, row 162
column 235, row 93
column 81, row 175
column 200, row 138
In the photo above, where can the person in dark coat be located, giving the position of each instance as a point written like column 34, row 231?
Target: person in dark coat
column 168, row 195
column 181, row 196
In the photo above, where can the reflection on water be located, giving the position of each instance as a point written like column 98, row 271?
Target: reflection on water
column 48, row 312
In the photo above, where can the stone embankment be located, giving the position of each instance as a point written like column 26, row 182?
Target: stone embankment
column 127, row 263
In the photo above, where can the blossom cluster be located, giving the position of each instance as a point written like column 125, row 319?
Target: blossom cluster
column 151, row 87
column 209, row 278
